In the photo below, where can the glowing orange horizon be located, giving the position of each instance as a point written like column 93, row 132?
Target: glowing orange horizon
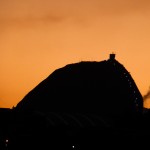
column 37, row 37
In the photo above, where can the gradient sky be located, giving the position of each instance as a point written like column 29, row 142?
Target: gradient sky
column 39, row 36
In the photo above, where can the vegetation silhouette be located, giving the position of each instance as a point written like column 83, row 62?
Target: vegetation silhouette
column 82, row 105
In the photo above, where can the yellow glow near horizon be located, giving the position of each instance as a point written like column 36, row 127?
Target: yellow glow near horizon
column 37, row 37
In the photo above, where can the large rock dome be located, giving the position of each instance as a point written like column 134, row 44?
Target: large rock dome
column 104, row 87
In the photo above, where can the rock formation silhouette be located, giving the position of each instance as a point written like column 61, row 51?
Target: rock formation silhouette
column 96, row 102
column 105, row 88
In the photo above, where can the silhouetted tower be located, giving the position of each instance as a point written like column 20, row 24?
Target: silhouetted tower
column 112, row 56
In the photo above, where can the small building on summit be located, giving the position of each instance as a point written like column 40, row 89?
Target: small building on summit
column 112, row 56
column 104, row 88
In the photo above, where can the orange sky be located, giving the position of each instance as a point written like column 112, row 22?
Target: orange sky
column 39, row 36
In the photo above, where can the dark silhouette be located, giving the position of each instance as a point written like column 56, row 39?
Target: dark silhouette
column 104, row 87
column 80, row 106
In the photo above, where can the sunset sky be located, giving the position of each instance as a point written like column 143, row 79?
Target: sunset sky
column 39, row 36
